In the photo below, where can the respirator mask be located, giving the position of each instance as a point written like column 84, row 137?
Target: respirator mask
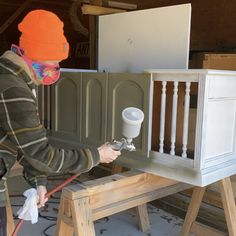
column 44, row 73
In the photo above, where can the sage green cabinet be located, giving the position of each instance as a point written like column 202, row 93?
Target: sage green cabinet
column 87, row 107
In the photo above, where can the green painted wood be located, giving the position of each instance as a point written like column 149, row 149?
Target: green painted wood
column 67, row 107
column 128, row 90
column 94, row 109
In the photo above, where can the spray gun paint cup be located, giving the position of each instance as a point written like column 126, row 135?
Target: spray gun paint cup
column 132, row 119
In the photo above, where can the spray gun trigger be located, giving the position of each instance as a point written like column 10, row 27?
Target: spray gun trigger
column 117, row 145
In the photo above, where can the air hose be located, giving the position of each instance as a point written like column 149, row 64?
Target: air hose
column 48, row 194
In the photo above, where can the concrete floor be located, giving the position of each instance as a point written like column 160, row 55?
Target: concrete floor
column 121, row 224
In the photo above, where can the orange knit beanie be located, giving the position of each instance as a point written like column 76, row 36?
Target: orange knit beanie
column 43, row 37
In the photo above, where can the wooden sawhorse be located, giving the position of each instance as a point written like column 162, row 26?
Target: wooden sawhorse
column 191, row 226
column 82, row 204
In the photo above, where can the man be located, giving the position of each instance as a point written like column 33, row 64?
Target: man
column 34, row 62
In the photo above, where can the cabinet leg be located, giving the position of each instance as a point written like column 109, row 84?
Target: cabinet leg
column 228, row 204
column 193, row 209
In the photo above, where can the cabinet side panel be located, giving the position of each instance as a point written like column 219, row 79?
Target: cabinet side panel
column 220, row 132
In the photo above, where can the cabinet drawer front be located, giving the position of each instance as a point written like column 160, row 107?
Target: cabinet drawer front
column 222, row 86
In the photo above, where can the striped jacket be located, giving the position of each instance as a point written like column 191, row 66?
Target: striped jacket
column 23, row 138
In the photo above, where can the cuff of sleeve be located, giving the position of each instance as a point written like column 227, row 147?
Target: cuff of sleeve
column 91, row 157
column 42, row 180
column 95, row 156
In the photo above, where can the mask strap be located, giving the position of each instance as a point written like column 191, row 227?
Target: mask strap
column 17, row 50
column 20, row 52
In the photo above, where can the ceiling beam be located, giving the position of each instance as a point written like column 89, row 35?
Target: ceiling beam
column 107, row 3
column 97, row 10
column 14, row 15
column 122, row 5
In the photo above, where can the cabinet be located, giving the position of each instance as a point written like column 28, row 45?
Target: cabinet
column 197, row 148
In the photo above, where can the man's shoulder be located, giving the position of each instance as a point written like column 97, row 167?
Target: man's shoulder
column 8, row 80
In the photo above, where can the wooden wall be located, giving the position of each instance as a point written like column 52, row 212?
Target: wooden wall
column 213, row 22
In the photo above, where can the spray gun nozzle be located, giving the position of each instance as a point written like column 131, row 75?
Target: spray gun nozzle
column 122, row 144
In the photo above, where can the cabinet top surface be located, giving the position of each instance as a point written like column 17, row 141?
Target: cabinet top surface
column 191, row 71
column 165, row 71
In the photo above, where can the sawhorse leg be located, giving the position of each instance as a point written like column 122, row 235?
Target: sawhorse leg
column 228, row 204
column 191, row 226
column 10, row 220
column 193, row 209
column 80, row 215
column 141, row 210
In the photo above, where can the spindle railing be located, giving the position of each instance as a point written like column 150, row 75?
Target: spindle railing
column 164, row 82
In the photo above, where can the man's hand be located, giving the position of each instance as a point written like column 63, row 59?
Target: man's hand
column 41, row 190
column 107, row 154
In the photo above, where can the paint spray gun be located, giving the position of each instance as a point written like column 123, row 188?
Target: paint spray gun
column 132, row 118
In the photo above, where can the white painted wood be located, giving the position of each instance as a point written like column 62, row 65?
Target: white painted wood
column 138, row 40
column 168, row 160
column 220, row 128
column 222, row 86
column 186, row 118
column 151, row 91
column 200, row 125
column 184, row 72
column 169, row 75
column 163, row 111
column 76, row 70
column 176, row 170
column 174, row 118
column 215, row 138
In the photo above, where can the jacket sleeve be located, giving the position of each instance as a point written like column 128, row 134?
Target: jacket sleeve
column 9, row 155
column 33, row 176
column 20, row 121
